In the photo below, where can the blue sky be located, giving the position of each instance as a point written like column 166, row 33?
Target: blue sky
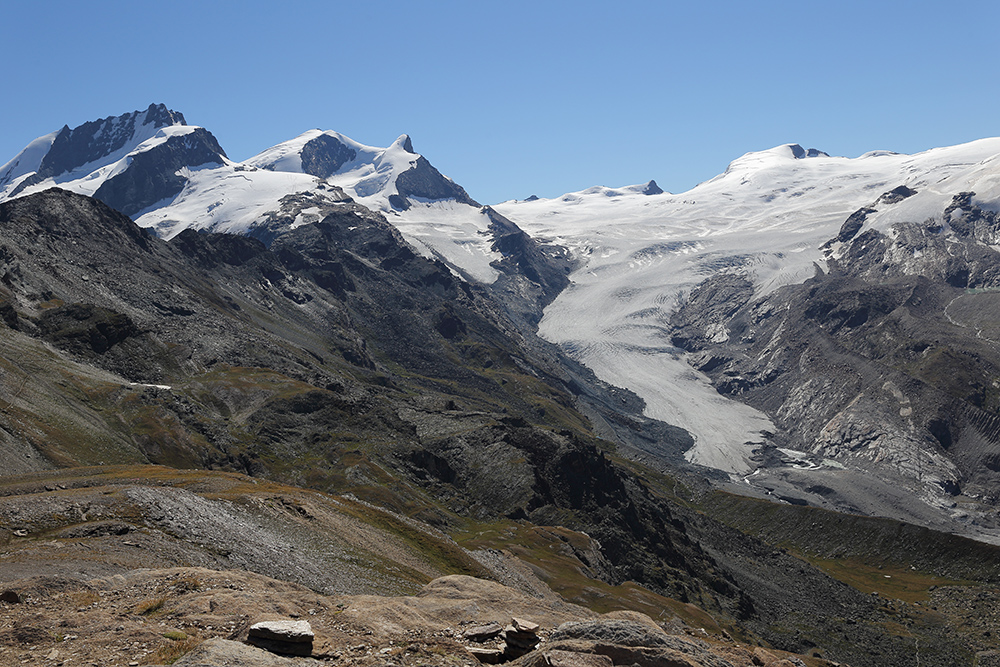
column 519, row 98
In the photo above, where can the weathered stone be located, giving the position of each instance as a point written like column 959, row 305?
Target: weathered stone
column 294, row 632
column 522, row 625
column 283, row 637
column 218, row 652
column 520, row 641
column 623, row 632
column 487, row 656
column 482, row 633
column 556, row 658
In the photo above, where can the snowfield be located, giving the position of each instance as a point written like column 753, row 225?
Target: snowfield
column 767, row 215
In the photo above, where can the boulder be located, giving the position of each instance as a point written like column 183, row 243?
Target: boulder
column 218, row 652
column 282, row 637
column 482, row 633
column 488, row 656
column 522, row 625
column 521, row 638
column 557, row 658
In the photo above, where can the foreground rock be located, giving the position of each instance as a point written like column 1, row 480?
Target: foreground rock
column 482, row 633
column 631, row 639
column 202, row 618
column 282, row 637
column 520, row 638
column 225, row 653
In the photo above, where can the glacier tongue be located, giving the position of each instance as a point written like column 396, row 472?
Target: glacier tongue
column 766, row 216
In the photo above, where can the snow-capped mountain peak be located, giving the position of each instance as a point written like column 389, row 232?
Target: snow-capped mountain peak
column 387, row 179
column 130, row 161
column 100, row 139
column 170, row 176
column 96, row 141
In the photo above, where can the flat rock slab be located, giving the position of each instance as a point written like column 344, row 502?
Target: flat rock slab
column 225, row 653
column 573, row 659
column 482, row 633
column 292, row 632
column 523, row 625
column 487, row 656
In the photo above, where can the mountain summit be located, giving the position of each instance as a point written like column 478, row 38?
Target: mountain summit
column 170, row 176
column 131, row 162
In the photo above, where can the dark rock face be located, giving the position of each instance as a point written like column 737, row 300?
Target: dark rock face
column 715, row 300
column 423, row 180
column 971, row 221
column 398, row 202
column 801, row 153
column 652, row 189
column 96, row 139
column 324, row 156
column 85, row 327
column 856, row 221
column 152, row 175
column 896, row 195
column 853, row 224
column 531, row 277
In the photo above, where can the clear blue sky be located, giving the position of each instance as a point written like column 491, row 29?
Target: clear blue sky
column 519, row 98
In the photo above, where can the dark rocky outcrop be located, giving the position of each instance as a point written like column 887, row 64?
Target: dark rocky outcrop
column 85, row 328
column 800, row 153
column 96, row 139
column 652, row 189
column 532, row 275
column 325, row 155
column 853, row 224
column 153, row 174
column 896, row 195
column 423, row 180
